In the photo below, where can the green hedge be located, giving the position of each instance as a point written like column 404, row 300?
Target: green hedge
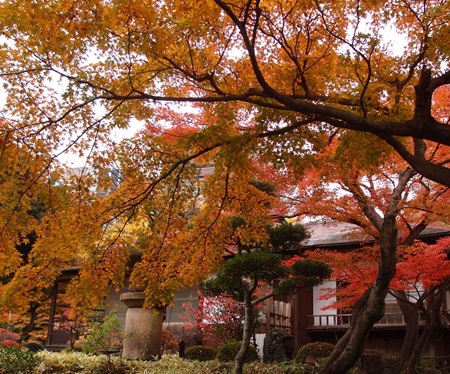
column 201, row 353
column 314, row 351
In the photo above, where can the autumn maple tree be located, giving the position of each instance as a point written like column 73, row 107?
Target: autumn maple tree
column 389, row 202
column 247, row 87
column 424, row 273
column 284, row 68
column 29, row 202
column 44, row 208
column 420, row 285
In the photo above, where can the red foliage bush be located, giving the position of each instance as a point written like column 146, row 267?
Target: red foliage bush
column 8, row 336
column 168, row 341
column 9, row 343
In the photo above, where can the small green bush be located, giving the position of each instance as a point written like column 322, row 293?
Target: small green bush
column 314, row 351
column 229, row 351
column 15, row 360
column 201, row 353
column 103, row 336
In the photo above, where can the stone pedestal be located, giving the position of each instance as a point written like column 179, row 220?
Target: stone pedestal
column 143, row 328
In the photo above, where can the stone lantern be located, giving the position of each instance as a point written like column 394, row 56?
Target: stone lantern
column 143, row 328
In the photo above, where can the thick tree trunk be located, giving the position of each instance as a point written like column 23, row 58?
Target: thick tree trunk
column 411, row 316
column 370, row 308
column 351, row 346
column 247, row 334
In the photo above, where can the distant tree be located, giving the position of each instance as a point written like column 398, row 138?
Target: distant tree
column 218, row 317
column 28, row 199
column 419, row 285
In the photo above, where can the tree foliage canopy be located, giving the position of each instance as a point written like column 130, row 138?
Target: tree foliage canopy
column 275, row 72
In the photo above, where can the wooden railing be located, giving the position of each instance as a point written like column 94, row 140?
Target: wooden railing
column 344, row 320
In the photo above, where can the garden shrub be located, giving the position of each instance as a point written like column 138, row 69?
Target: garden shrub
column 103, row 336
column 8, row 338
column 201, row 353
column 314, row 351
column 372, row 361
column 168, row 342
column 229, row 351
column 14, row 360
column 9, row 343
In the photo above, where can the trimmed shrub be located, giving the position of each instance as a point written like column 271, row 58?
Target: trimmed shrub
column 314, row 352
column 229, row 351
column 14, row 360
column 201, row 353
